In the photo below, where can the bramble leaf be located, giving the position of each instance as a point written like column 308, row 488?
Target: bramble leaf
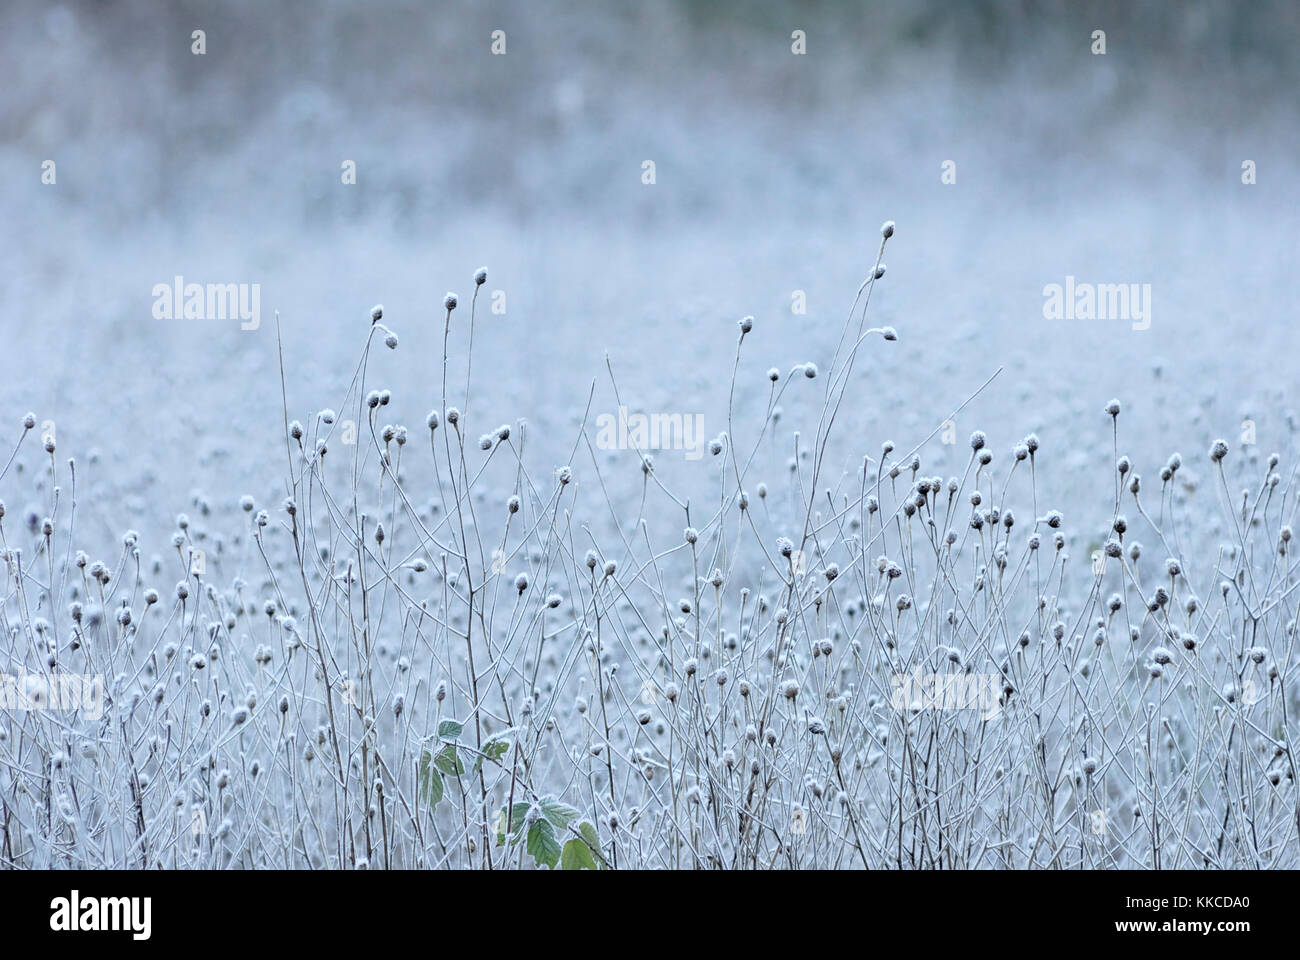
column 516, row 823
column 450, row 728
column 557, row 812
column 492, row 750
column 430, row 780
column 448, row 761
column 542, row 843
column 577, row 856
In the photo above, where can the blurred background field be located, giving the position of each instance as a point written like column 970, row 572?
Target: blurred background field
column 774, row 172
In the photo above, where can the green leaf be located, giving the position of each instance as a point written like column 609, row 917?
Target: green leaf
column 516, row 822
column 430, row 780
column 450, row 728
column 589, row 834
column 558, row 813
column 542, row 843
column 577, row 856
column 492, row 750
column 448, row 761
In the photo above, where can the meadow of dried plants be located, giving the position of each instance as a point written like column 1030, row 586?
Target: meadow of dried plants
column 435, row 648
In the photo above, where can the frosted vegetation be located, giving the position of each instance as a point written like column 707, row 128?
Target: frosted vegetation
column 438, row 649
